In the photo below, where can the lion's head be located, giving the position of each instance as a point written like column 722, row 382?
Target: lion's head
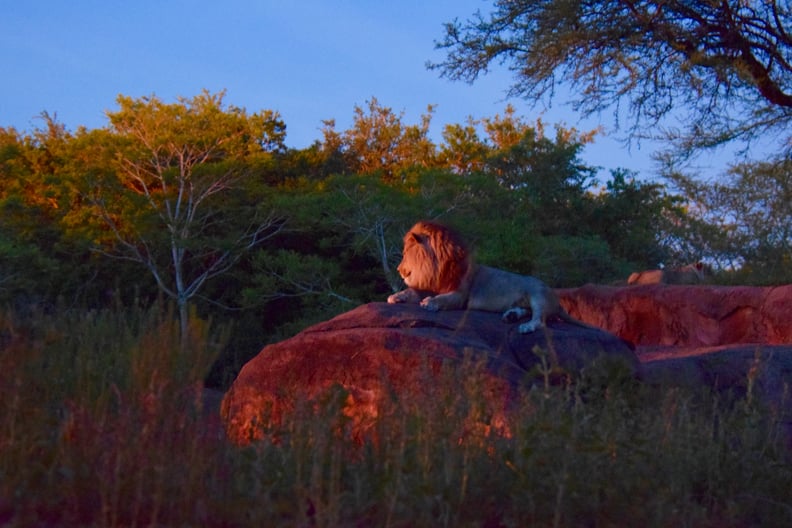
column 435, row 259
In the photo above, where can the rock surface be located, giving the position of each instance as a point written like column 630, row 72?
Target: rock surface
column 379, row 347
column 686, row 316
column 722, row 337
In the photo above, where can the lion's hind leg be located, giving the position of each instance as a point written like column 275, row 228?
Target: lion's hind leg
column 537, row 316
column 531, row 326
column 514, row 314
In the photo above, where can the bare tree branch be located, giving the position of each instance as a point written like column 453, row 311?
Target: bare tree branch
column 168, row 148
column 722, row 67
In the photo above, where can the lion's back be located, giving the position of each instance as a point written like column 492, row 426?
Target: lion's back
column 690, row 274
column 646, row 277
column 497, row 290
column 684, row 276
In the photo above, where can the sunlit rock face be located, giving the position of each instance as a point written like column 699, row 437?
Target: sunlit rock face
column 686, row 316
column 736, row 338
column 379, row 351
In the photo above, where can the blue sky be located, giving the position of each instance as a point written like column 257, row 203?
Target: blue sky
column 310, row 60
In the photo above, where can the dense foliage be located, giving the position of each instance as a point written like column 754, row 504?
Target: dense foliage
column 202, row 204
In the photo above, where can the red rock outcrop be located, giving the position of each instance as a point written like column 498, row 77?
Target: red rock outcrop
column 380, row 349
column 659, row 315
column 722, row 337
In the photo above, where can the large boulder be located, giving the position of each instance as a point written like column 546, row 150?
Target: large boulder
column 731, row 338
column 379, row 349
column 764, row 370
column 686, row 316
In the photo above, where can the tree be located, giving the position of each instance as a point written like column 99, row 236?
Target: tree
column 176, row 163
column 545, row 174
column 463, row 151
column 380, row 141
column 723, row 67
column 44, row 253
column 746, row 219
column 24, row 269
column 635, row 218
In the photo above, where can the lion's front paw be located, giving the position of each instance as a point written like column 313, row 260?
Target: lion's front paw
column 405, row 296
column 394, row 298
column 429, row 303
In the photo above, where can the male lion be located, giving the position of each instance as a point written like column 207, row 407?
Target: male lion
column 440, row 275
column 690, row 274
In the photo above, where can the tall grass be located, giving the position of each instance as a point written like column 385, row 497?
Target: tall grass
column 102, row 424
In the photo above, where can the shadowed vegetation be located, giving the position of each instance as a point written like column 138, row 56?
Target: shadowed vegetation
column 102, row 423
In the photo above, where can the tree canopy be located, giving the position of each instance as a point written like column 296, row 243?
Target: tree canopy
column 203, row 206
column 720, row 68
column 161, row 197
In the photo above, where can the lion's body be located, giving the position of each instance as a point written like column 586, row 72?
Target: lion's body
column 440, row 275
column 690, row 274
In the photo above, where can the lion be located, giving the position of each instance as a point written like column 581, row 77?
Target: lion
column 440, row 274
column 690, row 274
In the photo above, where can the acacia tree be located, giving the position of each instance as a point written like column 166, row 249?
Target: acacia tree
column 174, row 163
column 723, row 66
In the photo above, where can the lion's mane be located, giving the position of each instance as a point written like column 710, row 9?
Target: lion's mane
column 435, row 259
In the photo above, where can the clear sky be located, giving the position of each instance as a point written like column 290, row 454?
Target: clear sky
column 310, row 60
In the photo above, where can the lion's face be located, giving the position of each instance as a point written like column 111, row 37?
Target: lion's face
column 434, row 258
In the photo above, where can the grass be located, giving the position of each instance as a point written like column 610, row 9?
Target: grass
column 102, row 424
